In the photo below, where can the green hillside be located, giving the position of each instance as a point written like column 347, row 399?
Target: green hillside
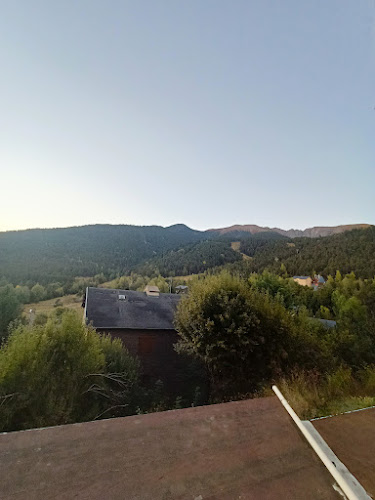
column 346, row 252
column 55, row 255
column 192, row 259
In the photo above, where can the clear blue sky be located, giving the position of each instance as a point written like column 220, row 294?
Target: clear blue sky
column 205, row 112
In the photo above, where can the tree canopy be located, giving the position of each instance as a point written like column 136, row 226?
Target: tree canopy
column 242, row 335
column 351, row 251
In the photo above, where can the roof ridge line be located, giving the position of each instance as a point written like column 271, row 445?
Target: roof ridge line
column 342, row 413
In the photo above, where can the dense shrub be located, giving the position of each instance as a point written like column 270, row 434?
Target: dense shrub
column 244, row 336
column 48, row 371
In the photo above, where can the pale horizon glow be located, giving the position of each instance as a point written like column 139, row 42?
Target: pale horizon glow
column 209, row 114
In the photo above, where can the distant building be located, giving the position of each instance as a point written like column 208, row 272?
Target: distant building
column 318, row 282
column 303, row 280
column 182, row 289
column 144, row 323
column 327, row 323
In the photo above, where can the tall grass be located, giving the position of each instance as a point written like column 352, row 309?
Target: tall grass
column 312, row 395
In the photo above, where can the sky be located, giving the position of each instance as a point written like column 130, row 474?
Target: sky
column 203, row 112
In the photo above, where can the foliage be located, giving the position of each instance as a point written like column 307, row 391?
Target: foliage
column 192, row 259
column 10, row 308
column 313, row 395
column 47, row 373
column 243, row 336
column 252, row 245
column 23, row 294
column 66, row 261
column 349, row 251
column 117, row 387
column 59, row 255
column 37, row 293
column 117, row 359
column 283, row 289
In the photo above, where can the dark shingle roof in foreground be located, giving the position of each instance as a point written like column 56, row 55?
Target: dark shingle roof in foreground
column 109, row 308
column 247, row 449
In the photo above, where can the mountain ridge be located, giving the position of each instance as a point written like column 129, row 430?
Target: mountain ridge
column 59, row 255
column 311, row 232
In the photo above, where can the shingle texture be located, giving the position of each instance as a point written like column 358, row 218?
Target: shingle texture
column 104, row 309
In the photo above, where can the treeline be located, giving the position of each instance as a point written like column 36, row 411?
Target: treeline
column 64, row 261
column 35, row 293
column 346, row 252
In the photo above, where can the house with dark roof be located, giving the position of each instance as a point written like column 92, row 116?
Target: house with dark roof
column 144, row 323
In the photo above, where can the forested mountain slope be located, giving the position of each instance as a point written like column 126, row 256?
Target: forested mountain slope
column 346, row 252
column 192, row 259
column 48, row 255
column 199, row 257
column 58, row 255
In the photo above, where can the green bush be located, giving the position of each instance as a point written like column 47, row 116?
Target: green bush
column 116, row 390
column 47, row 373
column 243, row 336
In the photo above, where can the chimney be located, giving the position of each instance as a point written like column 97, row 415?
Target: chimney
column 152, row 291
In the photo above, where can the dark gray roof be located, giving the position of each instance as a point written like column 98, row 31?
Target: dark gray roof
column 301, row 277
column 104, row 309
column 328, row 323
